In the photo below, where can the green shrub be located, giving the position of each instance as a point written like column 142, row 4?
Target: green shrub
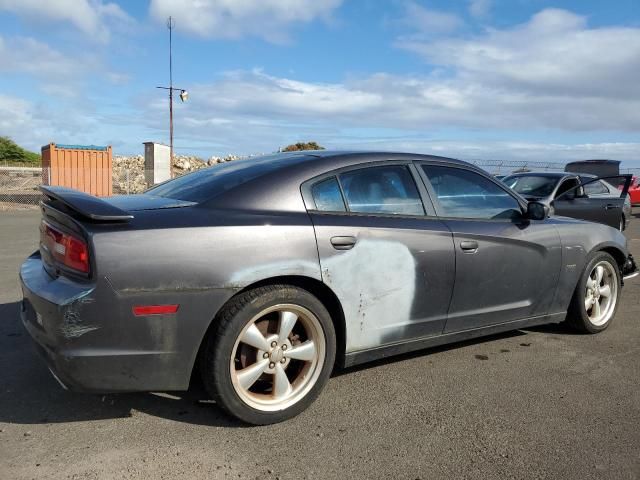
column 12, row 153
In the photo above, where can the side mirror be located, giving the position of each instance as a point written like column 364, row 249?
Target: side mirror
column 537, row 211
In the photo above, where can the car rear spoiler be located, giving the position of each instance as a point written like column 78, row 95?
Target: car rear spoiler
column 84, row 204
column 623, row 191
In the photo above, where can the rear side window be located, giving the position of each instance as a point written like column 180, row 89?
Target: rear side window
column 383, row 190
column 327, row 196
column 465, row 194
column 594, row 188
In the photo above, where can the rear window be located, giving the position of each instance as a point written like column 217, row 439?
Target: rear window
column 210, row 182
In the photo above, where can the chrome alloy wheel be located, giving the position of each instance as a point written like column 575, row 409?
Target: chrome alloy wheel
column 278, row 357
column 601, row 293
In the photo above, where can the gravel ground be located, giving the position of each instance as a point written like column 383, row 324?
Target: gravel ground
column 541, row 403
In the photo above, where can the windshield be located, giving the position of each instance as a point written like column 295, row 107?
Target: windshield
column 532, row 185
column 208, row 183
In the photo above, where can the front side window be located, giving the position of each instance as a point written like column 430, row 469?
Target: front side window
column 327, row 197
column 567, row 189
column 383, row 190
column 465, row 194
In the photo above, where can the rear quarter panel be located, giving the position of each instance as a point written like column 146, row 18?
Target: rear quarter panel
column 197, row 258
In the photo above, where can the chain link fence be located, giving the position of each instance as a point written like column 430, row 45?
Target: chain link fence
column 19, row 185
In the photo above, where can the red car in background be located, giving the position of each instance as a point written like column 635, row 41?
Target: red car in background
column 634, row 191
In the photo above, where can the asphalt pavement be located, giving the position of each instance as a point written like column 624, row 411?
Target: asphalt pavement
column 531, row 404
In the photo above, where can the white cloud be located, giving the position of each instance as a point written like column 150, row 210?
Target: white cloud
column 429, row 21
column 480, row 8
column 555, row 54
column 58, row 74
column 414, row 103
column 233, row 19
column 249, row 112
column 33, row 124
column 27, row 55
column 90, row 16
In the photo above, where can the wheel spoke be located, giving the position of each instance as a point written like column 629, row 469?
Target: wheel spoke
column 287, row 322
column 596, row 309
column 281, row 385
column 252, row 336
column 599, row 274
column 605, row 291
column 305, row 351
column 588, row 301
column 248, row 376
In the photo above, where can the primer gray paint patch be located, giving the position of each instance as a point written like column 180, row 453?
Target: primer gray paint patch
column 376, row 283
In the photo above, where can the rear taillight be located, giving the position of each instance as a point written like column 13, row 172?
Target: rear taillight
column 66, row 249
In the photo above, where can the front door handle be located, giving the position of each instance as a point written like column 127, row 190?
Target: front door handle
column 610, row 206
column 343, row 243
column 469, row 246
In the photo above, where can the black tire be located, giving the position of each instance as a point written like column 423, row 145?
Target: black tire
column 222, row 340
column 578, row 316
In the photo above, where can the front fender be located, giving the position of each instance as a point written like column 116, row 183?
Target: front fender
column 580, row 240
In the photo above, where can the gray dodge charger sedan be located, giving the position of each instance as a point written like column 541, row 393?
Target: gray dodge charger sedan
column 266, row 272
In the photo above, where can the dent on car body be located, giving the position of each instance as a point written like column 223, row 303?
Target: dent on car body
column 69, row 298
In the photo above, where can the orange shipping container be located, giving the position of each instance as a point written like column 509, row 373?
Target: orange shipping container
column 86, row 168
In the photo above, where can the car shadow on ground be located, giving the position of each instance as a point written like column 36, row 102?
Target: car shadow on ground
column 30, row 395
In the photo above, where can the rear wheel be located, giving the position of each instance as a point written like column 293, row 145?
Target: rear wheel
column 271, row 354
column 595, row 299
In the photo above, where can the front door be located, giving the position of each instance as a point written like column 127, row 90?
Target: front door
column 507, row 267
column 568, row 203
column 391, row 265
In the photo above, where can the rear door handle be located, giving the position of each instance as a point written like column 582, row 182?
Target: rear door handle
column 610, row 206
column 343, row 243
column 469, row 246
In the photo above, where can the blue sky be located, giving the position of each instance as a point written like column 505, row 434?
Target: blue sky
column 492, row 79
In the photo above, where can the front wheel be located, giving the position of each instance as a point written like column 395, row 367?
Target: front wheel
column 595, row 299
column 270, row 355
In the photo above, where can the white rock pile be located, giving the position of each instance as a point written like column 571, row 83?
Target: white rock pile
column 128, row 172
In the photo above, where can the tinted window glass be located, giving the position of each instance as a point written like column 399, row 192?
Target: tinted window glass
column 327, row 196
column 209, row 182
column 531, row 185
column 386, row 190
column 465, row 194
column 567, row 189
column 594, row 188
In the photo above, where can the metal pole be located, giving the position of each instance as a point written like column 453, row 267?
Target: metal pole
column 170, row 25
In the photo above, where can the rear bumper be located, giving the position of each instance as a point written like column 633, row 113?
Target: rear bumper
column 92, row 342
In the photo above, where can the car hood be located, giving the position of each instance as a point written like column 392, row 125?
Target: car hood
column 143, row 201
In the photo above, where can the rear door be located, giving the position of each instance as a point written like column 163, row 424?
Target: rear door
column 383, row 252
column 507, row 267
